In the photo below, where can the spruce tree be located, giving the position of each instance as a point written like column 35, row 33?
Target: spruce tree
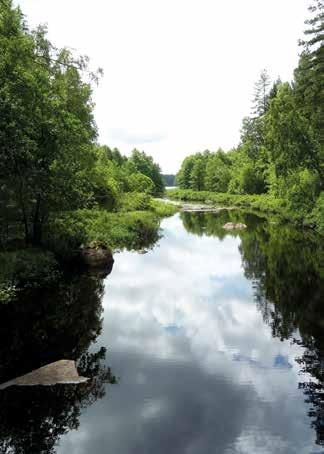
column 261, row 94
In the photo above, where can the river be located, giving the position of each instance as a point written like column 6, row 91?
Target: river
column 210, row 342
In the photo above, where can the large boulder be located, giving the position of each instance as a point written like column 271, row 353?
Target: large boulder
column 60, row 372
column 97, row 256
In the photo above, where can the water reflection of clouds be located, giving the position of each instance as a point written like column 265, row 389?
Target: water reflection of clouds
column 200, row 371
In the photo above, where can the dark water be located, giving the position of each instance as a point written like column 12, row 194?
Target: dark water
column 215, row 340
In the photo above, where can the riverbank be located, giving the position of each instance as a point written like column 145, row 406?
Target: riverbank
column 274, row 208
column 131, row 230
column 23, row 266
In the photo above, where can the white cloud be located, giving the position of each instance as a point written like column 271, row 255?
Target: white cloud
column 181, row 71
column 196, row 360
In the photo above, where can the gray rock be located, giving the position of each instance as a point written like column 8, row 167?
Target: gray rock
column 60, row 372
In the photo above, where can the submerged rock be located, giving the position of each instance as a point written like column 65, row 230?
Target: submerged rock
column 233, row 226
column 61, row 372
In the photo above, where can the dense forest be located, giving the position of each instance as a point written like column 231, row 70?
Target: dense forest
column 51, row 164
column 281, row 151
column 60, row 190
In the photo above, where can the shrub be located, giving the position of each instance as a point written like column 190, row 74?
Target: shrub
column 134, row 201
column 27, row 268
column 316, row 218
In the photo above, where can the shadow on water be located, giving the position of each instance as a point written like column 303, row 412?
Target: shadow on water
column 286, row 267
column 41, row 327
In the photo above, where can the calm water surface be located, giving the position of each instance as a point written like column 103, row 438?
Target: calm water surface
column 215, row 339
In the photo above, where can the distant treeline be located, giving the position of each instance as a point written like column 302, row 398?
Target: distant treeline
column 281, row 152
column 169, row 180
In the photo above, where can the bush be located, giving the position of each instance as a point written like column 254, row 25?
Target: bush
column 134, row 201
column 140, row 183
column 162, row 209
column 27, row 268
column 316, row 218
column 64, row 235
column 301, row 191
column 130, row 230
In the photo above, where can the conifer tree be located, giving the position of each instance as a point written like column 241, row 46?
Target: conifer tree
column 261, row 94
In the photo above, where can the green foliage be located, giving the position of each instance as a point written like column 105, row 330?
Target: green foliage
column 141, row 183
column 289, row 134
column 183, row 177
column 50, row 163
column 114, row 230
column 27, row 268
column 301, row 191
column 162, row 208
column 46, row 124
column 316, row 217
column 197, row 174
column 264, row 202
column 281, row 153
column 134, row 201
column 130, row 230
column 261, row 94
column 64, row 235
column 146, row 166
column 246, row 180
column 218, row 173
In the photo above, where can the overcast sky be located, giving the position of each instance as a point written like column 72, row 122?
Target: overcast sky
column 178, row 74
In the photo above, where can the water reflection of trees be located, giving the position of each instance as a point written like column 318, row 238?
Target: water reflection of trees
column 39, row 328
column 211, row 224
column 285, row 266
column 289, row 290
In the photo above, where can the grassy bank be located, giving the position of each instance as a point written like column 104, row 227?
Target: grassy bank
column 136, row 225
column 263, row 203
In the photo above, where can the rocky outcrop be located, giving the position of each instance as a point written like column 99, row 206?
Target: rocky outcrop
column 233, row 226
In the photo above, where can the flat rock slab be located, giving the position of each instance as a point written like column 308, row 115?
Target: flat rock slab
column 60, row 372
column 196, row 207
column 233, row 226
column 199, row 209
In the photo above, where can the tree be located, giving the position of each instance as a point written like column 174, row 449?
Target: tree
column 289, row 134
column 261, row 94
column 145, row 165
column 217, row 172
column 141, row 183
column 183, row 176
column 197, row 175
column 46, row 124
column 314, row 45
column 309, row 85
